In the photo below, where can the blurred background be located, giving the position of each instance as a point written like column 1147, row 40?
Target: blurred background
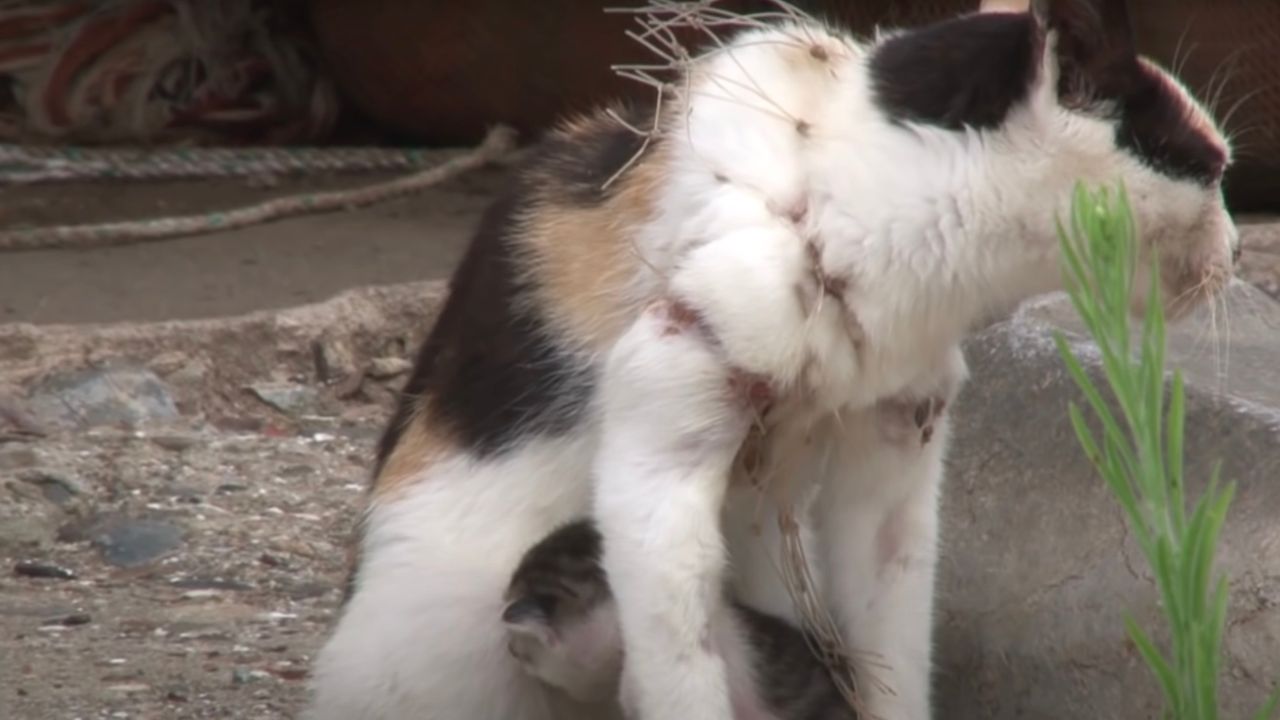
column 438, row 72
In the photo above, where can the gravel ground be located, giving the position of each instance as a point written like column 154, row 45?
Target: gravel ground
column 174, row 520
column 203, row 570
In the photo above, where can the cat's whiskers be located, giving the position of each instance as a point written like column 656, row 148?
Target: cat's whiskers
column 1180, row 60
column 1240, row 102
column 1226, row 67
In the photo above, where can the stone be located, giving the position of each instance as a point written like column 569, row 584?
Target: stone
column 1260, row 253
column 334, row 359
column 16, row 419
column 72, row 620
column 23, row 530
column 193, row 373
column 177, row 694
column 17, row 458
column 210, row 583
column 127, row 542
column 38, row 569
column 138, row 543
column 289, row 398
column 175, row 442
column 385, row 368
column 57, row 489
column 103, row 396
column 1038, row 570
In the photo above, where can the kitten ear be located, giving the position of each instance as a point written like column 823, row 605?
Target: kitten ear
column 529, row 609
column 530, row 617
column 1094, row 45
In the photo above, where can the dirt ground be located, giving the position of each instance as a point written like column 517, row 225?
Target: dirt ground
column 173, row 521
column 291, row 262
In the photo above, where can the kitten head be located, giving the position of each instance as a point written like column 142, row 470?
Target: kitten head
column 1063, row 88
column 561, row 621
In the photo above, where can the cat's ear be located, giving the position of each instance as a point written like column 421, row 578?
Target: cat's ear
column 530, row 617
column 1093, row 45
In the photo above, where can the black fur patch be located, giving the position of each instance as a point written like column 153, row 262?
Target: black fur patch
column 799, row 685
column 576, row 165
column 964, row 72
column 568, row 558
column 1156, row 126
column 492, row 372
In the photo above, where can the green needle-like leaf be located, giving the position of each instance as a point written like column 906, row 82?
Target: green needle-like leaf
column 1139, row 451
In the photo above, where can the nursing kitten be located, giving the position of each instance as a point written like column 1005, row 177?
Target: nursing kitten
column 563, row 628
column 795, row 256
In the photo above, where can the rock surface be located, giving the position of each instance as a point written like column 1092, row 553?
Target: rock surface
column 1260, row 259
column 119, row 396
column 1038, row 567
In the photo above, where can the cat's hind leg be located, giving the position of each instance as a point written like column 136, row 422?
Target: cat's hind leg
column 877, row 523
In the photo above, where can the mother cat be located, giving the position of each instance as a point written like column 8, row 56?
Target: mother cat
column 795, row 257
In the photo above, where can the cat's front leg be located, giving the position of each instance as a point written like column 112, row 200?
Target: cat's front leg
column 673, row 416
column 877, row 523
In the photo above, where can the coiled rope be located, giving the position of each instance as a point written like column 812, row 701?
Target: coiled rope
column 497, row 146
column 24, row 164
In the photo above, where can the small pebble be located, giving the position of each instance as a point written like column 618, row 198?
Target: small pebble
column 270, row 560
column 71, row 620
column 37, row 569
column 179, row 695
column 384, row 368
column 176, row 443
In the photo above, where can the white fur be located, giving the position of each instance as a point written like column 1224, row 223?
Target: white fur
column 933, row 230
column 671, row 428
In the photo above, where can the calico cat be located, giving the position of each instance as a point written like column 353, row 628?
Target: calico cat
column 563, row 628
column 788, row 264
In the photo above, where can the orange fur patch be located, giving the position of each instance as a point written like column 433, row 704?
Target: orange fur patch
column 420, row 444
column 582, row 259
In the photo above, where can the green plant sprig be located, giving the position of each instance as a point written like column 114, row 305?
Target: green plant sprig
column 1139, row 453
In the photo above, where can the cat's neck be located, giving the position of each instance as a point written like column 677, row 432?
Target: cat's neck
column 938, row 230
